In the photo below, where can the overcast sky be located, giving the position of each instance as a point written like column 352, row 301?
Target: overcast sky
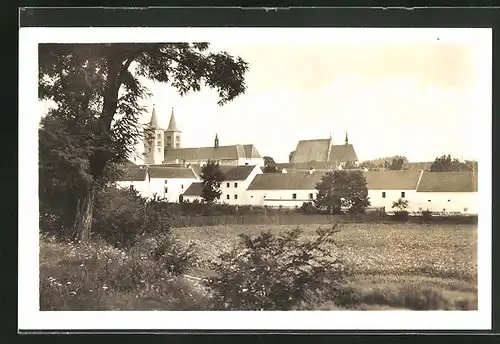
column 415, row 100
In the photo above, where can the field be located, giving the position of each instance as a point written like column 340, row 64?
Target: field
column 394, row 266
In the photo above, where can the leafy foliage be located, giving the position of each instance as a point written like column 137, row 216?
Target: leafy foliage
column 340, row 190
column 97, row 89
column 401, row 206
column 397, row 162
column 212, row 178
column 269, row 165
column 276, row 272
column 446, row 164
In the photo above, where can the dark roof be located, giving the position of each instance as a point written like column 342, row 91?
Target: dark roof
column 134, row 173
column 153, row 123
column 448, row 182
column 194, row 189
column 342, row 153
column 230, row 172
column 309, row 150
column 392, row 180
column 171, row 172
column 286, row 181
column 205, row 153
column 172, row 126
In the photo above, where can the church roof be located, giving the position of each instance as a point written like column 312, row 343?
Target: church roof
column 448, row 182
column 309, row 150
column 172, row 126
column 232, row 152
column 342, row 153
column 392, row 180
column 286, row 181
column 171, row 172
column 194, row 189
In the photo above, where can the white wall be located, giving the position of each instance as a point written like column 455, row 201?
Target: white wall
column 175, row 187
column 250, row 162
column 451, row 201
column 284, row 198
column 377, row 201
column 141, row 186
column 240, row 190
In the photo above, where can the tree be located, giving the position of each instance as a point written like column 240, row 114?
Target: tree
column 397, row 164
column 445, row 163
column 97, row 89
column 342, row 189
column 269, row 165
column 212, row 178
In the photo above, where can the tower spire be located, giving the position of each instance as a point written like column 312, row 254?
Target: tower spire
column 216, row 143
column 172, row 126
column 154, row 120
column 346, row 138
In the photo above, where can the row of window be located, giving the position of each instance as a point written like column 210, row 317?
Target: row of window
column 228, row 185
column 158, row 136
column 403, row 194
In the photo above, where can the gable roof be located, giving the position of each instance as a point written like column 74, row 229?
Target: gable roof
column 423, row 165
column 286, row 181
column 194, row 189
column 205, row 153
column 230, row 172
column 309, row 150
column 171, row 172
column 392, row 180
column 251, row 152
column 342, row 153
column 448, row 182
column 134, row 174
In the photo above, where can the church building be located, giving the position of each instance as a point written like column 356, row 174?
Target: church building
column 165, row 148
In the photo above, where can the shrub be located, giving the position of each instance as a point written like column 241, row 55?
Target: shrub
column 427, row 216
column 308, row 208
column 401, row 215
column 276, row 272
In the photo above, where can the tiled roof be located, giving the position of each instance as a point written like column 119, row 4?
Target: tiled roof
column 309, row 150
column 448, row 182
column 236, row 172
column 319, row 165
column 134, row 173
column 171, row 172
column 286, row 181
column 425, row 165
column 233, row 152
column 343, row 153
column 154, row 120
column 392, row 180
column 194, row 189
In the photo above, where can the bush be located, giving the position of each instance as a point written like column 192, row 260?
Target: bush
column 97, row 276
column 401, row 215
column 426, row 216
column 276, row 272
column 308, row 208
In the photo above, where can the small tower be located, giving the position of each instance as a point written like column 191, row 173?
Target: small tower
column 153, row 142
column 172, row 134
column 346, row 138
column 216, row 143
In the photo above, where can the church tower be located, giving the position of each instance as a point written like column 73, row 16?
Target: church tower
column 153, row 142
column 172, row 134
column 216, row 143
column 346, row 138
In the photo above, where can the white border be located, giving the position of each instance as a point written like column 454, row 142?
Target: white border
column 30, row 317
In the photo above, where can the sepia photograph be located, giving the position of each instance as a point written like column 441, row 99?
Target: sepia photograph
column 326, row 172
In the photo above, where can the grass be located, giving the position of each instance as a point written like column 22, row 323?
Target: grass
column 393, row 266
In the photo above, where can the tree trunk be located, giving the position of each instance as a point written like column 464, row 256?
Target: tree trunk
column 85, row 208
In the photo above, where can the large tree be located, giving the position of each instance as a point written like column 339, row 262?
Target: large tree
column 97, row 89
column 344, row 189
column 212, row 177
column 270, row 165
column 445, row 163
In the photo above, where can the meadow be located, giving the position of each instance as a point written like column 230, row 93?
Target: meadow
column 392, row 266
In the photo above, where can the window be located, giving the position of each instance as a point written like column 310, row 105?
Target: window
column 158, row 143
column 166, row 190
column 182, row 186
column 166, row 181
column 311, row 196
column 158, row 136
column 168, row 137
column 228, row 184
column 294, row 196
column 131, row 187
column 383, row 194
column 149, row 150
column 228, row 197
column 168, row 145
column 235, row 185
column 177, row 145
column 449, row 200
column 402, row 194
column 159, row 150
column 178, row 138
column 246, row 164
column 428, row 200
column 235, row 196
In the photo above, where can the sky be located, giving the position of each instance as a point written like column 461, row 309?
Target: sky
column 419, row 99
column 408, row 99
